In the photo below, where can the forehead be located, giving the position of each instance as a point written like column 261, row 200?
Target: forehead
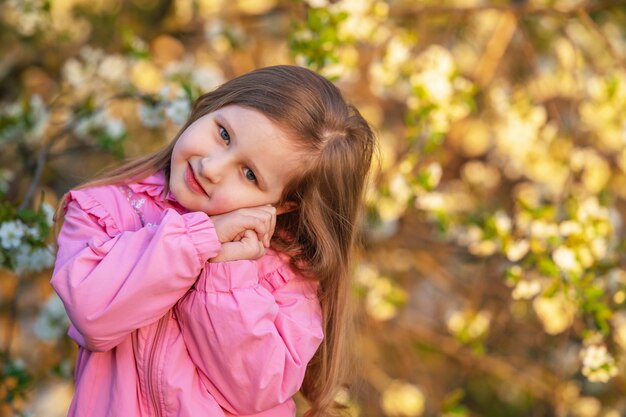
column 263, row 142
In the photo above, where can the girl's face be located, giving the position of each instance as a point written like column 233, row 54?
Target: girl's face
column 232, row 158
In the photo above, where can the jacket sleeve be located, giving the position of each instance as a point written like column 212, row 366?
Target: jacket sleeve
column 251, row 341
column 113, row 282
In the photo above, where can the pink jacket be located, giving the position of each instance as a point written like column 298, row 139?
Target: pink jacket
column 161, row 332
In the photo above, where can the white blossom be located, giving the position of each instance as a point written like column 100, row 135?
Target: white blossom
column 541, row 229
column 11, row 233
column 52, row 321
column 6, row 177
column 317, row 4
column 398, row 52
column 178, row 110
column 436, row 85
column 399, row 188
column 150, row 115
column 48, row 212
column 115, row 128
column 598, row 364
column 207, row 78
column 565, row 258
column 30, row 21
column 570, row 227
column 32, row 231
column 113, row 68
column 28, row 259
column 100, row 122
column 89, row 124
column 73, row 73
column 213, row 28
column 503, row 222
column 40, row 116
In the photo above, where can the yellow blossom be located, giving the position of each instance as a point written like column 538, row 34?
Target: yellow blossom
column 434, row 172
column 525, row 290
column 403, row 399
column 556, row 313
column 619, row 328
column 469, row 325
column 478, row 174
column 586, row 407
column 483, row 248
column 517, row 250
column 596, row 174
column 599, row 248
column 146, row 77
column 431, row 201
column 390, row 209
column 584, row 255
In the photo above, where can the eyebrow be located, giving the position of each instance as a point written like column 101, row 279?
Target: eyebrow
column 231, row 132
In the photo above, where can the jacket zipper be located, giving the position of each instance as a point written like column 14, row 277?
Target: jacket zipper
column 152, row 373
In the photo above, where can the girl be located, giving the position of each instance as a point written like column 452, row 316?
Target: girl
column 211, row 278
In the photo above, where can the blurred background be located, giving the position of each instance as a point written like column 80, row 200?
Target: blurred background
column 492, row 281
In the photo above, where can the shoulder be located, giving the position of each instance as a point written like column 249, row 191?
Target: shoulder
column 107, row 204
column 111, row 204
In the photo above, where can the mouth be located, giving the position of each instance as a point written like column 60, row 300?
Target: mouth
column 192, row 182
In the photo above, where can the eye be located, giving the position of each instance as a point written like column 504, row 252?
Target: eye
column 224, row 135
column 249, row 174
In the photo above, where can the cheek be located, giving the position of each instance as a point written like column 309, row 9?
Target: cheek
column 185, row 144
column 222, row 202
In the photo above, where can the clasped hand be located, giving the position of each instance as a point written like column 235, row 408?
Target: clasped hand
column 244, row 233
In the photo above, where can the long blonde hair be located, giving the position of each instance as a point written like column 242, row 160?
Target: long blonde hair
column 320, row 233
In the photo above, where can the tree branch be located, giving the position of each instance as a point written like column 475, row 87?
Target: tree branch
column 591, row 25
column 542, row 386
column 495, row 49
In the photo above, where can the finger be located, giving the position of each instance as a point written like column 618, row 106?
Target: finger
column 250, row 216
column 256, row 222
column 267, row 214
column 270, row 213
column 272, row 224
column 254, row 247
column 249, row 247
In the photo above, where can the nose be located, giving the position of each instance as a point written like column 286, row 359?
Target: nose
column 213, row 167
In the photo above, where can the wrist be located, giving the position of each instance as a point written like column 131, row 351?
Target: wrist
column 202, row 234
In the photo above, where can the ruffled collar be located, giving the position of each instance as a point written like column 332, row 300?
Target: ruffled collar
column 154, row 186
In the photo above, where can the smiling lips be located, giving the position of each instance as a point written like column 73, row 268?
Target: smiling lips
column 192, row 182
